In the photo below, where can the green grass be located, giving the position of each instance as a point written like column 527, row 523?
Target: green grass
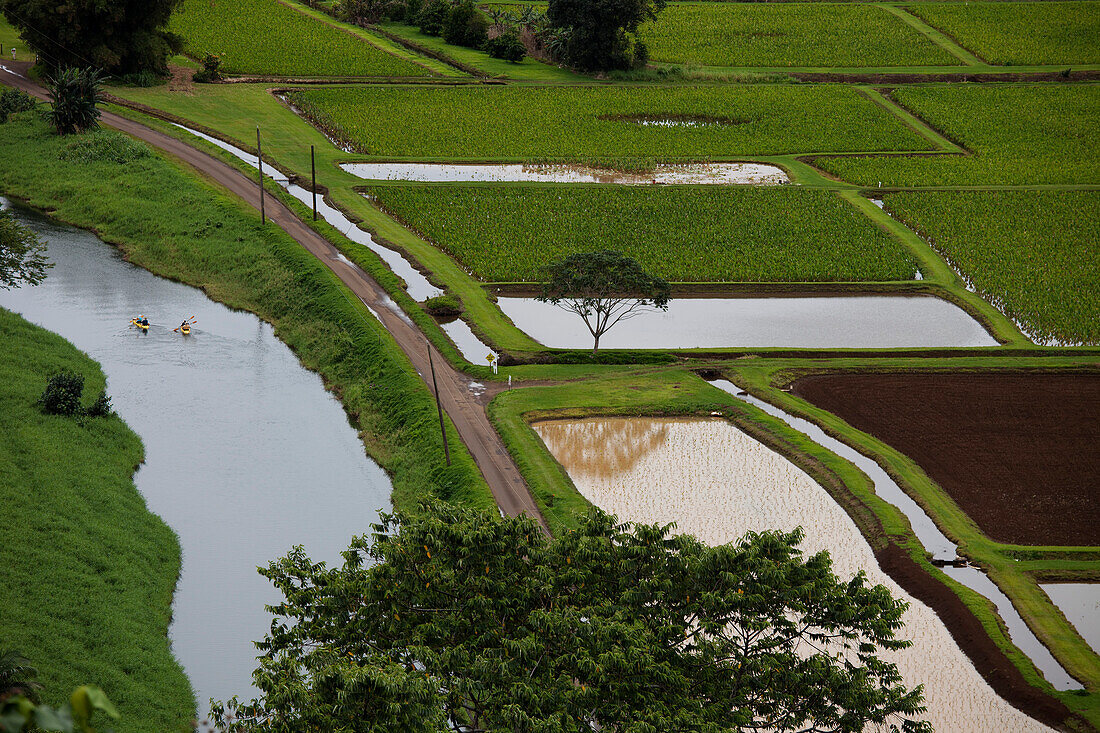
column 1018, row 134
column 169, row 221
column 1034, row 253
column 1020, row 32
column 9, row 37
column 692, row 233
column 271, row 38
column 597, row 122
column 86, row 570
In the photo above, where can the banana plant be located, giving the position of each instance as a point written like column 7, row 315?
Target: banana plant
column 21, row 715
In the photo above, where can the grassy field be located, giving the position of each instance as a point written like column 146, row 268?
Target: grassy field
column 86, row 571
column 607, row 123
column 1034, row 253
column 271, row 38
column 1020, row 33
column 694, row 234
column 1018, row 134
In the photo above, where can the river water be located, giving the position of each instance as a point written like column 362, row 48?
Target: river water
column 246, row 453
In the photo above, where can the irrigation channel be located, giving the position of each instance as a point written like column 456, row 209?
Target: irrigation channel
column 246, row 453
column 716, row 482
column 717, row 174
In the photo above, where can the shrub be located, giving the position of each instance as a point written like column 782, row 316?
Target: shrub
column 507, row 46
column 143, row 78
column 211, row 69
column 62, row 394
column 15, row 100
column 106, row 146
column 444, row 306
column 102, row 406
column 433, row 17
column 75, row 94
column 465, row 26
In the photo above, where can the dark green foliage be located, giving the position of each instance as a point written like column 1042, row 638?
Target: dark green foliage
column 466, row 26
column 454, row 619
column 13, row 101
column 105, row 146
column 22, row 254
column 101, row 407
column 62, row 394
column 600, row 35
column 507, row 46
column 17, row 676
column 119, row 36
column 211, row 69
column 143, row 78
column 366, row 12
column 443, row 305
column 18, row 714
column 602, row 288
column 433, row 17
column 74, row 96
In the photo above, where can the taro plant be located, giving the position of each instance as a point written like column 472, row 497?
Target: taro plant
column 75, row 94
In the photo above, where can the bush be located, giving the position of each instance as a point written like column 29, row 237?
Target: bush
column 62, row 394
column 102, row 406
column 15, row 100
column 143, row 78
column 433, row 17
column 112, row 147
column 412, row 9
column 444, row 306
column 74, row 94
column 211, row 69
column 507, row 46
column 465, row 26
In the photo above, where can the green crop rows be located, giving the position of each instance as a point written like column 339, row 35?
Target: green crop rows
column 698, row 233
column 1021, row 32
column 597, row 122
column 1018, row 134
column 1036, row 253
column 267, row 37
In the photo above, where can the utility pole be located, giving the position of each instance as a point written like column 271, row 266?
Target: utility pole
column 313, row 174
column 438, row 405
column 260, row 162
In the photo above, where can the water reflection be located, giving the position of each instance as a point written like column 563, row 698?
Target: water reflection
column 662, row 173
column 604, row 448
column 1080, row 602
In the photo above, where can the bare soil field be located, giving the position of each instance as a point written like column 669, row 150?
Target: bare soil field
column 1017, row 452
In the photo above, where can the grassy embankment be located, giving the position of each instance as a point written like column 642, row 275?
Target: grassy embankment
column 86, row 571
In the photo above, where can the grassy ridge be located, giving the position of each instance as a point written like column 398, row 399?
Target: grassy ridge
column 268, row 37
column 695, row 233
column 86, row 571
column 1020, row 32
column 1019, row 134
column 601, row 123
column 1035, row 253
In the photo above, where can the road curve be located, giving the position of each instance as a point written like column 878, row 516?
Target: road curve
column 464, row 408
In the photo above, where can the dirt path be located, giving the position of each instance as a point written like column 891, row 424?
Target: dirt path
column 462, row 405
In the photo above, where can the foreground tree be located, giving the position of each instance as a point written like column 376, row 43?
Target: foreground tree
column 603, row 288
column 119, row 36
column 601, row 35
column 457, row 620
column 75, row 95
column 22, row 254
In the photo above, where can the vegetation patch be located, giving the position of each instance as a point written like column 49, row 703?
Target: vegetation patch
column 1018, row 134
column 1033, row 253
column 270, row 38
column 87, row 571
column 677, row 120
column 1020, row 32
column 570, row 123
column 686, row 234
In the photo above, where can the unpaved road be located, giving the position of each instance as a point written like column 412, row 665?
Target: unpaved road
column 463, row 406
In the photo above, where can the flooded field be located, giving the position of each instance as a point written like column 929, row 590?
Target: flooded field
column 1080, row 602
column 755, row 174
column 866, row 321
column 469, row 345
column 716, row 482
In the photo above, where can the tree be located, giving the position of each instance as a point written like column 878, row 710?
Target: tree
column 455, row 619
column 22, row 254
column 74, row 96
column 602, row 288
column 602, row 34
column 119, row 36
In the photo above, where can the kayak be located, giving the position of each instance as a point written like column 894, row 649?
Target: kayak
column 185, row 330
column 142, row 326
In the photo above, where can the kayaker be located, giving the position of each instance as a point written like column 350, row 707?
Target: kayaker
column 143, row 320
column 185, row 324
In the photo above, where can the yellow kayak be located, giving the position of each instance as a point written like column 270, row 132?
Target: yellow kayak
column 185, row 330
column 142, row 326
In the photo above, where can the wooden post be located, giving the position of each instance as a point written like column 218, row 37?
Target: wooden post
column 313, row 174
column 260, row 166
column 439, row 406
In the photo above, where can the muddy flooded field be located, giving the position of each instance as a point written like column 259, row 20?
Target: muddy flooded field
column 1017, row 452
column 716, row 482
column 1080, row 602
column 721, row 174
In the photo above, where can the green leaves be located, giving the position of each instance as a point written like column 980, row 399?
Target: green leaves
column 75, row 716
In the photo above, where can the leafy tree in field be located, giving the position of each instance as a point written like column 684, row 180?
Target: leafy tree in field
column 602, row 288
column 601, row 35
column 120, row 36
column 74, row 96
column 458, row 620
column 22, row 254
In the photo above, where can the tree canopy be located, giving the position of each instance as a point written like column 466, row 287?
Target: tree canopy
column 454, row 619
column 603, row 288
column 22, row 254
column 120, row 36
column 602, row 34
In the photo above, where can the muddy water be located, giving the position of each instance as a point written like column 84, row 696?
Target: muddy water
column 246, row 454
column 756, row 174
column 716, row 482
column 870, row 321
column 1080, row 602
column 415, row 282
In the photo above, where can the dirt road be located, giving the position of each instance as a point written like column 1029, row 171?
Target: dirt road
column 461, row 404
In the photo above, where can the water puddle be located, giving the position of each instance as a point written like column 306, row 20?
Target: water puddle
column 676, row 120
column 246, row 454
column 717, row 483
column 868, row 321
column 757, row 174
column 416, row 284
column 1080, row 602
column 470, row 346
column 935, row 542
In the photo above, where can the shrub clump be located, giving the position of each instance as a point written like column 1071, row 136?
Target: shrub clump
column 433, row 17
column 102, row 406
column 62, row 394
column 211, row 69
column 465, row 26
column 445, row 306
column 13, row 101
column 506, row 46
column 105, row 146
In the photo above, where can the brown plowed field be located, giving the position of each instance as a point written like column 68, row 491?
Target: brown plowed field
column 1020, row 453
